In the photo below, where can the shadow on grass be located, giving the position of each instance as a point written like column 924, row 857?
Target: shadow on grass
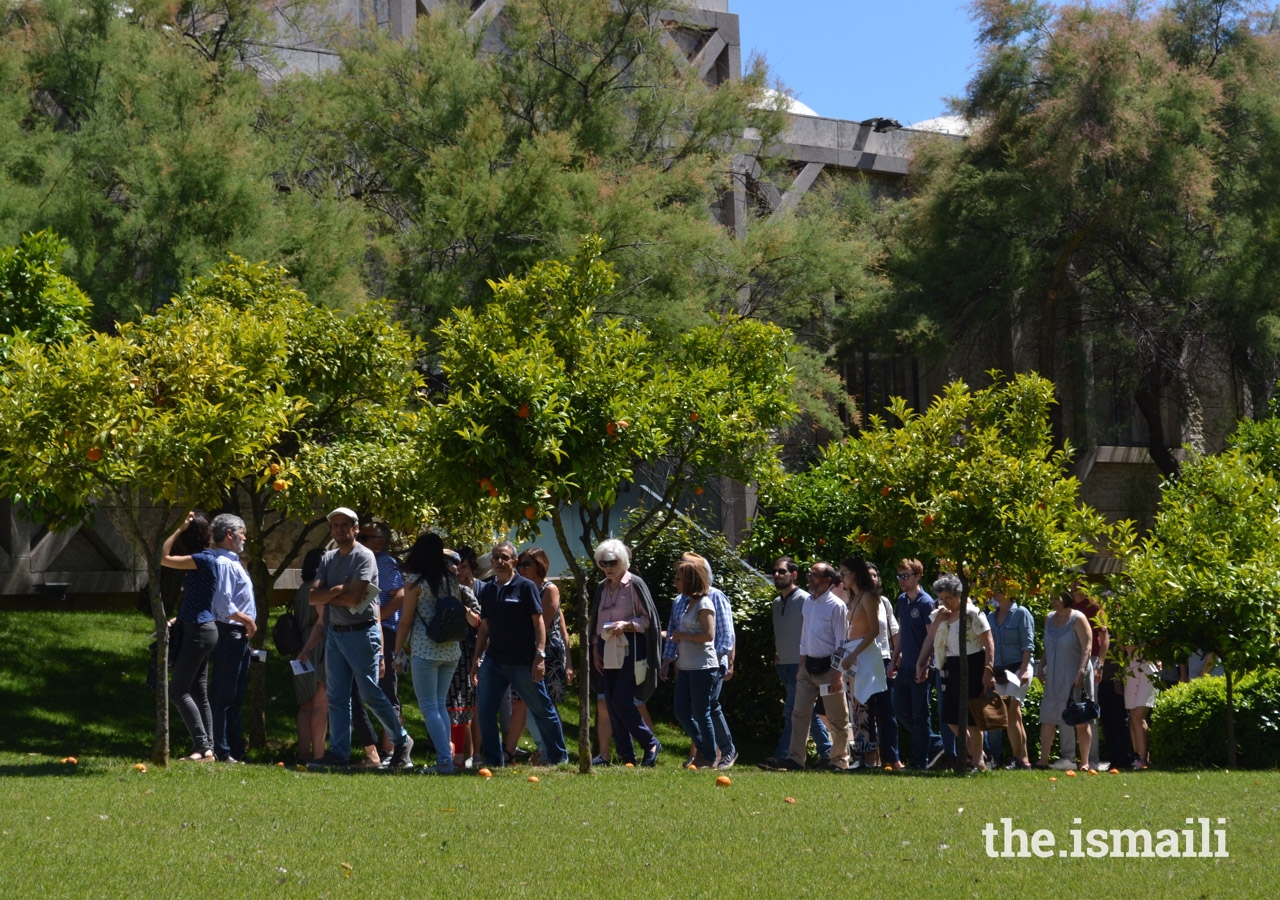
column 41, row 769
column 75, row 684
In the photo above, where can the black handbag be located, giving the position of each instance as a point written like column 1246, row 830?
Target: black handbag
column 1080, row 712
column 287, row 635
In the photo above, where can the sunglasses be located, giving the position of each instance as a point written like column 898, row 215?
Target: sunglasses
column 903, row 576
column 781, row 571
column 607, row 563
column 524, row 564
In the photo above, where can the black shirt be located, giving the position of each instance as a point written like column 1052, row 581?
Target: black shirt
column 509, row 609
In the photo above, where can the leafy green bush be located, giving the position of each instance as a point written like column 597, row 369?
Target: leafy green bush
column 1189, row 722
column 752, row 699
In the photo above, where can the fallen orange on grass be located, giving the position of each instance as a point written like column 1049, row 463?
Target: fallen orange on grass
column 140, row 767
column 534, row 779
column 628, row 765
column 723, row 781
column 789, row 799
column 485, row 773
column 1115, row 771
column 1051, row 778
column 69, row 761
column 1071, row 773
column 281, row 763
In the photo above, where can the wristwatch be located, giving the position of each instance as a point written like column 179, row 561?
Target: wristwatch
column 541, row 654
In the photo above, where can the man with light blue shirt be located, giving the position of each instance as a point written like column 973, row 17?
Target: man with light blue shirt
column 236, row 615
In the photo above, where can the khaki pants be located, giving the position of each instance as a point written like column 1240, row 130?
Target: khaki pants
column 837, row 715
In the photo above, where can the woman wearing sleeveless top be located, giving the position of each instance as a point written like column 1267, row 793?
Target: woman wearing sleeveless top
column 862, row 664
column 1067, row 642
column 427, row 577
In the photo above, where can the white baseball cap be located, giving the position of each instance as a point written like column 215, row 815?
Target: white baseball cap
column 343, row 511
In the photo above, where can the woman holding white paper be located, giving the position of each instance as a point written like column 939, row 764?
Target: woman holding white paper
column 1013, row 631
column 619, row 640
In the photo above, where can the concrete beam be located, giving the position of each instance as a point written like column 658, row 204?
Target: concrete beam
column 799, row 187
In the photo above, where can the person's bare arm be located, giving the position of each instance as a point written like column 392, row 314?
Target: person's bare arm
column 167, row 559
column 482, row 644
column 1085, row 635
column 539, row 668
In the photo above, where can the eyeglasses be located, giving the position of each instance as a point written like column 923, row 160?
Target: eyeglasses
column 903, row 576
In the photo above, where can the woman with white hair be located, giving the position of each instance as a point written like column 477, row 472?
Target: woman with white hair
column 621, row 644
column 978, row 655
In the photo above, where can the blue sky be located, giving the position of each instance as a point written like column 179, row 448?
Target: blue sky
column 854, row 59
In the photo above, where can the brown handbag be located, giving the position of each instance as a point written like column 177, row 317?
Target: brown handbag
column 988, row 712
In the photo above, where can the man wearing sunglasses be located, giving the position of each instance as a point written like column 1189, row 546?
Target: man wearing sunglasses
column 826, row 625
column 512, row 642
column 788, row 619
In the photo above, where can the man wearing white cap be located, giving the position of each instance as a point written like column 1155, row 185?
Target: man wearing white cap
column 347, row 583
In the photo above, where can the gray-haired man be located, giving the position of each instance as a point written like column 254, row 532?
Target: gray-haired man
column 236, row 614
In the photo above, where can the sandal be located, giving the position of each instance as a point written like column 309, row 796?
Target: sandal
column 197, row 756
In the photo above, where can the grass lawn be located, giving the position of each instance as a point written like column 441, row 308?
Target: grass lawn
column 103, row 829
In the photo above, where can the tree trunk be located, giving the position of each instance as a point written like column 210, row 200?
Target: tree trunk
column 584, row 644
column 1231, row 717
column 257, row 671
column 160, row 749
column 1148, row 396
column 962, row 736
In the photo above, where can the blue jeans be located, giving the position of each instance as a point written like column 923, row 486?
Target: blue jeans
column 724, row 740
column 818, row 731
column 693, row 708
column 355, row 654
column 911, row 704
column 496, row 679
column 230, row 671
column 431, row 678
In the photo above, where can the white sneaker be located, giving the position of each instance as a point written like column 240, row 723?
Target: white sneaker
column 1063, row 765
column 1102, row 767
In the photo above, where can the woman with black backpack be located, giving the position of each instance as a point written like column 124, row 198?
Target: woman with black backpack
column 427, row 639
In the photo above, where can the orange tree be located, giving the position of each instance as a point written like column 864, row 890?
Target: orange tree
column 350, row 441
column 551, row 407
column 973, row 482
column 1207, row 577
column 165, row 415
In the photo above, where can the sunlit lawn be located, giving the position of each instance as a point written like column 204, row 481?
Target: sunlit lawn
column 70, row 684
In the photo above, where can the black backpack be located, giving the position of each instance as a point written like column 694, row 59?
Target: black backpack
column 450, row 621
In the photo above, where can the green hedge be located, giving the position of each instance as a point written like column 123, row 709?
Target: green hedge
column 1189, row 723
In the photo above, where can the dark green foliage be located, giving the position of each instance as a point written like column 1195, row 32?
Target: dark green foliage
column 1189, row 722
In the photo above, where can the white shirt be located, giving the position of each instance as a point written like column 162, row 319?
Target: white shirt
column 826, row 622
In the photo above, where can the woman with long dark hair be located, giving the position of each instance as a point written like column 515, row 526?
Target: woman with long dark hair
column 427, row 579
column 863, row 665
column 188, row 549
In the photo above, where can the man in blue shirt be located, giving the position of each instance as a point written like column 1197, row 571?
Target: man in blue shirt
column 235, row 613
column 911, row 698
column 512, row 642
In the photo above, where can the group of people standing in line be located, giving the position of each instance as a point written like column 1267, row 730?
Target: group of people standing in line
column 856, row 669
column 876, row 669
